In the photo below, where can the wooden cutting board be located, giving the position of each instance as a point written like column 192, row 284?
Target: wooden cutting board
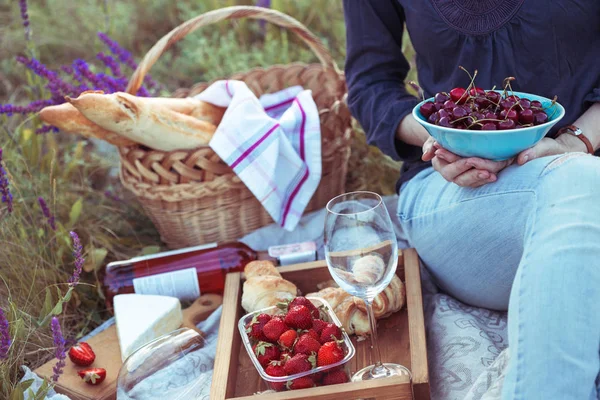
column 108, row 356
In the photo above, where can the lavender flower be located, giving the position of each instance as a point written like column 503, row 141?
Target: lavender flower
column 111, row 64
column 126, row 58
column 4, row 190
column 25, row 18
column 59, row 349
column 46, row 129
column 4, row 336
column 264, row 4
column 47, row 213
column 79, row 260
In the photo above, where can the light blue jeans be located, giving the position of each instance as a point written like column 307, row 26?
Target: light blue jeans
column 529, row 242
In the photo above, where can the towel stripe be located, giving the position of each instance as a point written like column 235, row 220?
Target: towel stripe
column 290, row 200
column 254, row 146
column 283, row 103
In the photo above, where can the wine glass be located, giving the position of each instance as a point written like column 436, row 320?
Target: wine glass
column 362, row 255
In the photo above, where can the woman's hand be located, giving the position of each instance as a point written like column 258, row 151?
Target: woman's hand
column 548, row 147
column 466, row 172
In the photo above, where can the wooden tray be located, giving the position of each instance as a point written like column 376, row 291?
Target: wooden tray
column 401, row 337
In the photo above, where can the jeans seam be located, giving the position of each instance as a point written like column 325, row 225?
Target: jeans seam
column 521, row 321
column 449, row 207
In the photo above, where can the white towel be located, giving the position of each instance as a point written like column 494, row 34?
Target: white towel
column 273, row 144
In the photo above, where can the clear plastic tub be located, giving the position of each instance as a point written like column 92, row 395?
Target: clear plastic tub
column 279, row 383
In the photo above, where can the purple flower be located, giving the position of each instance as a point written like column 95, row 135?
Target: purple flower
column 59, row 349
column 126, row 58
column 4, row 336
column 57, row 87
column 111, row 64
column 4, row 190
column 25, row 18
column 47, row 213
column 46, row 129
column 112, row 196
column 263, row 3
column 79, row 260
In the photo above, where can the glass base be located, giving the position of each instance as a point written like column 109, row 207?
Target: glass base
column 378, row 372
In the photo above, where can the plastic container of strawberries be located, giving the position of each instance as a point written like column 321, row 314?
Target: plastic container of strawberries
column 275, row 382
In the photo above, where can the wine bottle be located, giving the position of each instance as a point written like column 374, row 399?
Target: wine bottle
column 188, row 273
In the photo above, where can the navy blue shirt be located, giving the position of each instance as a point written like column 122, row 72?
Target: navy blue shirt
column 552, row 47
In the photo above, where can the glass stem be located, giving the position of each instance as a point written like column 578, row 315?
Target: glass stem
column 378, row 369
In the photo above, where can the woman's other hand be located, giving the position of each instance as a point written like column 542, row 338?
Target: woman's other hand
column 466, row 172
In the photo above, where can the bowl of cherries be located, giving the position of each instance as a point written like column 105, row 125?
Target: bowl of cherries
column 491, row 124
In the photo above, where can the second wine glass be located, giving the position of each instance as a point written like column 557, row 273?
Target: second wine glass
column 362, row 256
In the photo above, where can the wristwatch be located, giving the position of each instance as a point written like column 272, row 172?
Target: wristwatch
column 578, row 133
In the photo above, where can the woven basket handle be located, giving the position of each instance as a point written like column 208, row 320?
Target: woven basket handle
column 237, row 12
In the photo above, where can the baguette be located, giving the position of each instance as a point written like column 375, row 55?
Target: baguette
column 149, row 123
column 68, row 119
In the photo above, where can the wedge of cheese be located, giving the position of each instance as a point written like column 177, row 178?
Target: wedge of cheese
column 142, row 318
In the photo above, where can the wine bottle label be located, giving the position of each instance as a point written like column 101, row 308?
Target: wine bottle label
column 295, row 253
column 182, row 284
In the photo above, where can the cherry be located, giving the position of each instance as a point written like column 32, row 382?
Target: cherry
column 489, row 126
column 439, row 106
column 427, row 109
column 458, row 95
column 433, row 118
column 476, row 91
column 513, row 98
column 540, row 118
column 444, row 113
column 536, row 104
column 478, row 115
column 482, row 102
column 526, row 116
column 460, row 125
column 459, row 112
column 509, row 114
column 441, row 97
column 449, row 105
column 445, row 122
column 506, row 104
column 491, row 115
column 493, row 96
column 507, row 124
column 524, row 104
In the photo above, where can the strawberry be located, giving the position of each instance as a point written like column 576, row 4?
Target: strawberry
column 301, row 383
column 307, row 345
column 254, row 329
column 299, row 363
column 299, row 317
column 330, row 353
column 285, row 356
column 266, row 352
column 334, row 377
column 303, row 301
column 318, row 325
column 288, row 338
column 312, row 333
column 274, row 328
column 275, row 368
column 330, row 332
column 93, row 376
column 82, row 354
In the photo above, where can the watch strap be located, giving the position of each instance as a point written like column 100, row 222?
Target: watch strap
column 576, row 131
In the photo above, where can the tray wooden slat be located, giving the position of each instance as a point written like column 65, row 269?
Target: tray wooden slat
column 401, row 336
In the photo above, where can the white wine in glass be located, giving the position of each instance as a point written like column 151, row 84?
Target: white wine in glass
column 362, row 255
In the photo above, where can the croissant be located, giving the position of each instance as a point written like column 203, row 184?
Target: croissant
column 264, row 286
column 352, row 311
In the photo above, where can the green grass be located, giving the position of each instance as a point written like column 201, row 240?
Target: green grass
column 72, row 176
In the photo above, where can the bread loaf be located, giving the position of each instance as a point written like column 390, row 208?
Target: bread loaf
column 264, row 287
column 68, row 119
column 148, row 122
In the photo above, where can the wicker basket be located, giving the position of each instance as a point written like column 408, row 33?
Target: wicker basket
column 193, row 197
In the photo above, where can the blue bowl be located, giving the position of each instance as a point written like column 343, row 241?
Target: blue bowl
column 493, row 145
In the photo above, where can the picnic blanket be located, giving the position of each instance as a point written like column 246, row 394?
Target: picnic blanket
column 467, row 346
